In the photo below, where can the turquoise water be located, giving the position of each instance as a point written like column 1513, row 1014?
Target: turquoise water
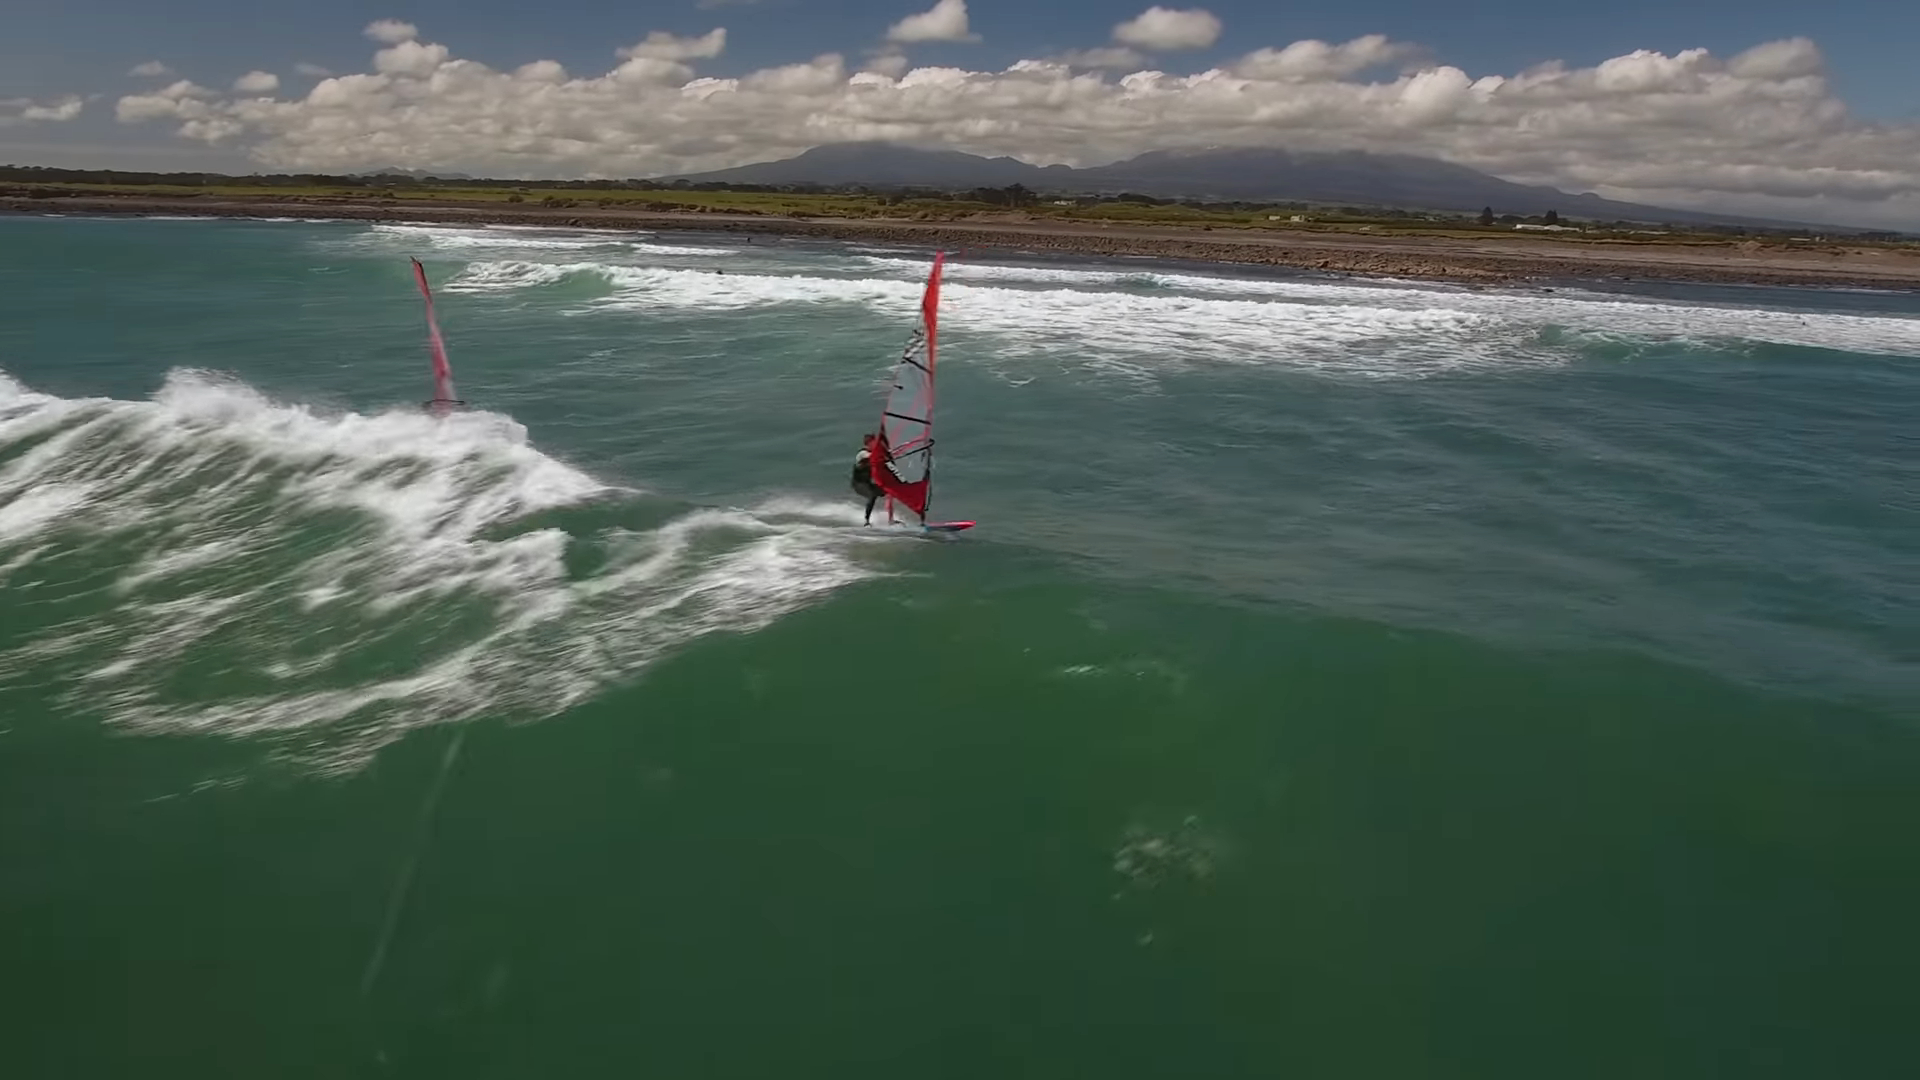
column 1345, row 679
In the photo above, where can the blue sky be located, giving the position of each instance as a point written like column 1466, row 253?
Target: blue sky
column 86, row 48
column 81, row 46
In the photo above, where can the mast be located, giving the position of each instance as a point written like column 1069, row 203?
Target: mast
column 906, row 420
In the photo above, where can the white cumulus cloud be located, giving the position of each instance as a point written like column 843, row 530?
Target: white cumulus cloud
column 391, row 31
column 311, row 70
column 1160, row 29
column 152, row 69
column 182, row 100
column 257, row 82
column 15, row 111
column 410, row 58
column 541, row 71
column 660, row 45
column 1311, row 60
column 1759, row 130
column 1116, row 58
column 944, row 21
column 1790, row 59
column 888, row 62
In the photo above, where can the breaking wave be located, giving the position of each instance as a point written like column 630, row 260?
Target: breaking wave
column 531, row 239
column 1573, row 309
column 354, row 576
column 1141, row 322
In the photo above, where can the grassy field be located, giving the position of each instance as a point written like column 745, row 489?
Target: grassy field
column 793, row 205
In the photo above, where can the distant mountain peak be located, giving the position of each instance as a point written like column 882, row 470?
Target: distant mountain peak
column 1223, row 173
column 415, row 174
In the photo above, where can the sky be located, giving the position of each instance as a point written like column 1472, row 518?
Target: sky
column 1796, row 110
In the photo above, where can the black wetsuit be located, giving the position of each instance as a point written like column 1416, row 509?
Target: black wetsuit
column 863, row 484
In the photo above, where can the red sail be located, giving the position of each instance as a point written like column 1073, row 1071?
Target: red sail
column 904, row 470
column 442, row 371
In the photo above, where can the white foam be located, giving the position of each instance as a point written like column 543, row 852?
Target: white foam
column 558, row 230
column 480, row 240
column 507, row 276
column 1137, row 279
column 1576, row 308
column 1120, row 332
column 466, row 239
column 1040, row 275
column 171, row 563
column 19, row 401
column 17, row 560
column 681, row 250
column 1369, row 329
column 214, row 496
column 27, row 512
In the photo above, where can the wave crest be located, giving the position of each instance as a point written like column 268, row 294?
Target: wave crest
column 349, row 577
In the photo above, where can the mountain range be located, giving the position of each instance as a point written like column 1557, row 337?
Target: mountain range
column 415, row 174
column 1340, row 178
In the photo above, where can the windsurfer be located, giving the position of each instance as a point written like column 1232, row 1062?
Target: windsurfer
column 863, row 466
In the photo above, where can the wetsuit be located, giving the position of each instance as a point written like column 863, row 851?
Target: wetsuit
column 863, row 484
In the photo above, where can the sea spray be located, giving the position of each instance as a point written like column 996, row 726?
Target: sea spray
column 348, row 571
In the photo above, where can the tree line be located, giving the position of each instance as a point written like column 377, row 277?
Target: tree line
column 1488, row 219
column 1012, row 196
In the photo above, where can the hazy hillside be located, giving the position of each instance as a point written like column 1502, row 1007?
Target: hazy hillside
column 1341, row 178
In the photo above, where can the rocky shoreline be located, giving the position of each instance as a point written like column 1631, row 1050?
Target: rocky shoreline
column 1496, row 261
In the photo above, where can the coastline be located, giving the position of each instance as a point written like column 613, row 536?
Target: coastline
column 1476, row 260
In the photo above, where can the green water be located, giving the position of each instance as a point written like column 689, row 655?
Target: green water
column 1344, row 680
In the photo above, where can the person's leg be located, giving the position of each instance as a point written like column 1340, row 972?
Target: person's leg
column 871, row 499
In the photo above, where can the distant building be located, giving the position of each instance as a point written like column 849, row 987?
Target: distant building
column 1525, row 227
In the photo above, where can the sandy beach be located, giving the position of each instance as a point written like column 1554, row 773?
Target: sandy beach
column 1489, row 260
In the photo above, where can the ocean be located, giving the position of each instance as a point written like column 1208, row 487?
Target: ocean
column 1345, row 678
